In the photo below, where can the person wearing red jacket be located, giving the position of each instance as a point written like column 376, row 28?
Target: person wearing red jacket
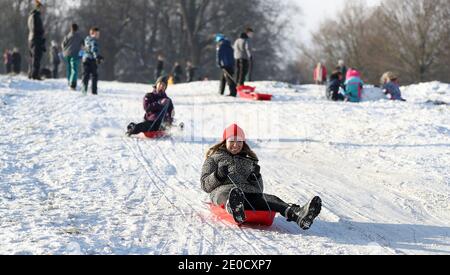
column 7, row 60
column 320, row 74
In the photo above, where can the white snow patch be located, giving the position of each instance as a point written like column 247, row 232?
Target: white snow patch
column 72, row 183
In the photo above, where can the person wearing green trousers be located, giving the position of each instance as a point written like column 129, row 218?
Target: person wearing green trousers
column 71, row 46
column 72, row 64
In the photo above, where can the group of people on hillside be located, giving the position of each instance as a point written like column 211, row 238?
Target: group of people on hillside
column 346, row 84
column 12, row 61
column 74, row 47
column 176, row 75
column 237, row 58
column 231, row 174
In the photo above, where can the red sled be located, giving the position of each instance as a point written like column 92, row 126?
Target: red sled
column 248, row 92
column 264, row 218
column 155, row 134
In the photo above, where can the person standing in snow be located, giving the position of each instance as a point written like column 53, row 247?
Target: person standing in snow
column 159, row 67
column 190, row 72
column 334, row 86
column 7, row 61
column 320, row 74
column 54, row 58
column 177, row 72
column 71, row 46
column 243, row 56
column 16, row 60
column 353, row 86
column 159, row 110
column 342, row 68
column 36, row 40
column 232, row 178
column 91, row 59
column 391, row 87
column 225, row 61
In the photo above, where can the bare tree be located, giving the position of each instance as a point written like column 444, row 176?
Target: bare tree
column 418, row 33
column 409, row 37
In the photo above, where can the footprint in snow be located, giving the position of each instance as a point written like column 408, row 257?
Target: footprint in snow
column 170, row 170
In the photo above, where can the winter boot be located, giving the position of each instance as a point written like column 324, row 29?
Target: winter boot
column 130, row 128
column 304, row 216
column 235, row 205
column 84, row 90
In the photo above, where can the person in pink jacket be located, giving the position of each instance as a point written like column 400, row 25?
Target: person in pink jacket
column 320, row 74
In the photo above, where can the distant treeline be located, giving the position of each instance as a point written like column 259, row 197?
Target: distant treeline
column 133, row 33
column 410, row 37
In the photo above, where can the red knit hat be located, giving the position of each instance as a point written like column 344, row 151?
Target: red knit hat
column 234, row 131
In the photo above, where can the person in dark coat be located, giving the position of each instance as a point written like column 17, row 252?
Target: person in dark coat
column 36, row 40
column 343, row 69
column 55, row 59
column 225, row 61
column 7, row 61
column 91, row 60
column 159, row 110
column 190, row 72
column 16, row 61
column 232, row 178
column 333, row 87
column 159, row 71
column 177, row 72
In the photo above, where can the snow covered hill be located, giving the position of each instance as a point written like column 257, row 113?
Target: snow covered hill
column 72, row 183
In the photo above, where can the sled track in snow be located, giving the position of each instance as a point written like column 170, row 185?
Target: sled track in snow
column 146, row 166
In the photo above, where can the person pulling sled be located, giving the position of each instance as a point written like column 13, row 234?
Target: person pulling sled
column 225, row 61
column 159, row 110
column 232, row 177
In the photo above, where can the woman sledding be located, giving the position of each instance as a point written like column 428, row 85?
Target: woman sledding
column 232, row 177
column 159, row 110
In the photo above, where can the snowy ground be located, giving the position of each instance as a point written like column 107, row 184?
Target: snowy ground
column 71, row 182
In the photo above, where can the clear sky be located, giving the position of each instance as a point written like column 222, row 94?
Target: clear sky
column 315, row 11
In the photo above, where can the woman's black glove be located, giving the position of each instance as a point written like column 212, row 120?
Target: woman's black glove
column 256, row 174
column 222, row 173
column 257, row 170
